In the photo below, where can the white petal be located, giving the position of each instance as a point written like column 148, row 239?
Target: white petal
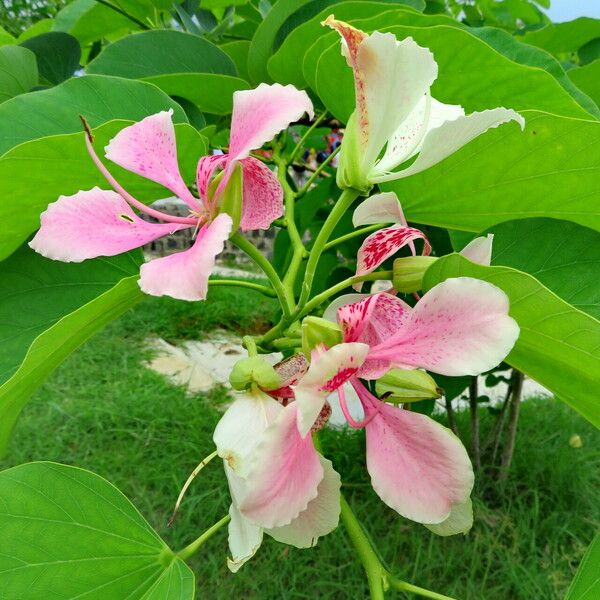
column 479, row 250
column 380, row 208
column 459, row 521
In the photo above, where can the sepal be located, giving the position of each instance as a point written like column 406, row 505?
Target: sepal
column 402, row 385
column 254, row 370
column 317, row 331
column 409, row 271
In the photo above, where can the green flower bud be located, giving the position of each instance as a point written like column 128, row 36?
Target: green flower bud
column 351, row 172
column 409, row 271
column 254, row 370
column 401, row 385
column 317, row 331
column 231, row 197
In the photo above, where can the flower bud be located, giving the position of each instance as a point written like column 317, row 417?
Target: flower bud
column 317, row 331
column 254, row 370
column 351, row 171
column 409, row 271
column 401, row 385
column 230, row 197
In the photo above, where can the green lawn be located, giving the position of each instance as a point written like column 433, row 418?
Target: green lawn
column 103, row 411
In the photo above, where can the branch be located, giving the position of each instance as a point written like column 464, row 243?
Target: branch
column 125, row 14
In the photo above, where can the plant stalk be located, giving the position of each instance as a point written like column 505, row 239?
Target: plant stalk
column 263, row 289
column 475, row 450
column 192, row 548
column 513, row 418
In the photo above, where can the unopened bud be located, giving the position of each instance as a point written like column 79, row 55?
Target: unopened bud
column 401, row 385
column 254, row 370
column 316, row 331
column 409, row 271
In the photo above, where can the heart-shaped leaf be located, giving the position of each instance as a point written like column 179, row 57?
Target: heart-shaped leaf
column 18, row 71
column 587, row 78
column 586, row 583
column 58, row 55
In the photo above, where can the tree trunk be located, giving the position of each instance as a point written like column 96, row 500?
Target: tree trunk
column 451, row 417
column 498, row 428
column 475, row 450
column 513, row 418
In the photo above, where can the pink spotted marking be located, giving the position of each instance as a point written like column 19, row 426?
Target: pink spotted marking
column 339, row 379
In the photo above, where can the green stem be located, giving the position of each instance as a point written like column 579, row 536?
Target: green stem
column 195, row 545
column 303, row 139
column 403, row 586
column 122, row 12
column 250, row 344
column 317, row 172
column 341, row 286
column 263, row 289
column 246, row 246
column 352, row 234
column 373, row 568
column 339, row 208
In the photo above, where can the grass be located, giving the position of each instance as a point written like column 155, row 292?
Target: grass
column 103, row 411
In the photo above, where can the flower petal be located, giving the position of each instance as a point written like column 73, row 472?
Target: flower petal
column 327, row 372
column 320, row 517
column 382, row 244
column 417, row 467
column 204, row 172
column 245, row 537
column 260, row 114
column 380, row 208
column 479, row 250
column 148, row 148
column 390, row 78
column 331, row 311
column 450, row 136
column 94, row 223
column 284, row 475
column 459, row 327
column 459, row 521
column 239, row 430
column 185, row 275
column 263, row 195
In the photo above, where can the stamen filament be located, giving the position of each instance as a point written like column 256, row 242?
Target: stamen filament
column 346, row 412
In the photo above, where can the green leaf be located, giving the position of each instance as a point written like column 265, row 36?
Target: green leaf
column 36, row 173
column 36, row 292
column 97, row 97
column 551, row 169
column 71, row 533
column 586, row 583
column 238, row 52
column 161, row 52
column 88, row 21
column 55, row 344
column 587, row 79
column 209, row 92
column 57, row 53
column 18, row 72
column 37, row 28
column 459, row 81
column 5, row 37
column 589, row 52
column 261, row 46
column 563, row 256
column 564, row 37
column 558, row 344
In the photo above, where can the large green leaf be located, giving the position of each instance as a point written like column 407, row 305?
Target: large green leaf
column 68, row 533
column 238, row 52
column 558, row 345
column 551, row 169
column 37, row 28
column 55, row 344
column 587, row 78
column 57, row 53
column 36, row 292
column 97, row 97
column 36, row 173
column 159, row 52
column 18, row 71
column 210, row 92
column 563, row 256
column 5, row 37
column 586, row 584
column 460, row 79
column 88, row 21
column 564, row 37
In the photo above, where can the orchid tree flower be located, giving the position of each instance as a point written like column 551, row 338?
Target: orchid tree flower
column 100, row 222
column 417, row 467
column 395, row 111
column 279, row 483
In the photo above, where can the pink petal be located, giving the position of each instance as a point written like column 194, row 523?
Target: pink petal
column 148, row 148
column 459, row 327
column 479, row 250
column 284, row 476
column 417, row 467
column 379, row 208
column 204, row 173
column 371, row 322
column 320, row 517
column 185, row 275
column 382, row 244
column 263, row 195
column 327, row 372
column 261, row 113
column 93, row 223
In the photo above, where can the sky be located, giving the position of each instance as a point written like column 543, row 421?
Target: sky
column 567, row 10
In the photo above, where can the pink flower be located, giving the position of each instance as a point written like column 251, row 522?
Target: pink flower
column 102, row 223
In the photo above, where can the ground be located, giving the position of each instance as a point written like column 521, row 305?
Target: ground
column 104, row 411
